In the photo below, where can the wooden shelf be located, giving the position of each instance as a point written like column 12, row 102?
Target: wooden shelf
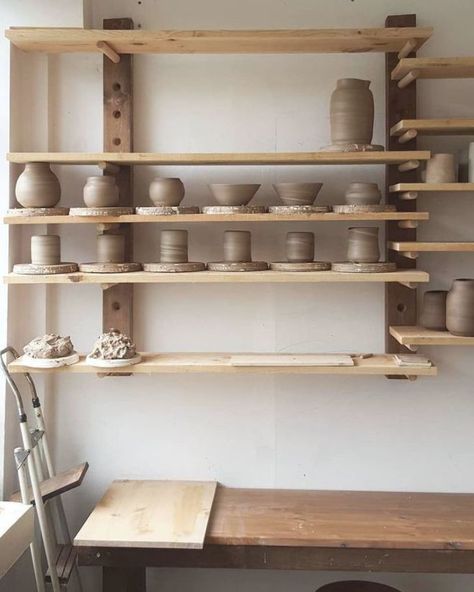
column 435, row 68
column 431, row 187
column 412, row 336
column 211, row 277
column 154, row 363
column 434, row 127
column 231, row 158
column 431, row 247
column 59, row 40
column 210, row 218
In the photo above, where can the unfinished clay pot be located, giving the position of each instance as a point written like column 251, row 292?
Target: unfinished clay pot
column 45, row 249
column 352, row 112
column 233, row 194
column 101, row 192
column 166, row 192
column 363, row 194
column 297, row 194
column 433, row 312
column 37, row 186
column 441, row 168
column 363, row 245
column 110, row 248
column 300, row 247
column 237, row 246
column 174, row 246
column 460, row 308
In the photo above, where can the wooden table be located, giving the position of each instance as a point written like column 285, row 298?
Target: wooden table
column 16, row 532
column 308, row 530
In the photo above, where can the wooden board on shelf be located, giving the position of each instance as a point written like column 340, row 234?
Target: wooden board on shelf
column 435, row 67
column 62, row 40
column 431, row 247
column 230, row 158
column 435, row 127
column 415, row 335
column 432, row 187
column 150, row 514
column 227, row 363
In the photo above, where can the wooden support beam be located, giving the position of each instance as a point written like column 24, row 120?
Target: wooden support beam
column 408, row 78
column 407, row 136
column 409, row 165
column 407, row 49
column 108, row 51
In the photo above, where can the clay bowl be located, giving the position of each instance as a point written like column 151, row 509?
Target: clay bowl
column 238, row 194
column 297, row 194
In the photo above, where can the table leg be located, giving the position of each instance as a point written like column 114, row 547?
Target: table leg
column 124, row 579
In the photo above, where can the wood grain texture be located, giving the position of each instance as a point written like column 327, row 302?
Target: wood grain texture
column 435, row 67
column 431, row 247
column 435, row 127
column 415, row 335
column 17, row 526
column 430, row 187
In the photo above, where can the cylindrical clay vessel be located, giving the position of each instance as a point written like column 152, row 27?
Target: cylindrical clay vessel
column 37, row 186
column 45, row 249
column 352, row 112
column 110, row 248
column 166, row 192
column 433, row 312
column 441, row 168
column 363, row 245
column 174, row 246
column 300, row 247
column 237, row 246
column 363, row 194
column 101, row 192
column 460, row 308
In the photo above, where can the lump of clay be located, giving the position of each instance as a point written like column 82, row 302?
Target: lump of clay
column 113, row 345
column 49, row 347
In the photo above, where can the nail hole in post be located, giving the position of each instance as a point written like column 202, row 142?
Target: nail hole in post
column 117, row 141
column 115, row 305
column 117, row 114
column 116, row 86
column 401, row 307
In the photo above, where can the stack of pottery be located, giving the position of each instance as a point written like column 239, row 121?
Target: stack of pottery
column 441, row 168
column 237, row 253
column 297, row 197
column 38, row 188
column 433, row 312
column 101, row 192
column 174, row 254
column 45, row 257
column 460, row 308
column 300, row 254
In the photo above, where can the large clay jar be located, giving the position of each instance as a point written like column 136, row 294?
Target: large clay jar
column 363, row 245
column 101, row 192
column 45, row 249
column 237, row 246
column 433, row 312
column 300, row 247
column 363, row 194
column 441, row 168
column 352, row 112
column 460, row 308
column 37, row 186
column 174, row 246
column 166, row 192
column 110, row 248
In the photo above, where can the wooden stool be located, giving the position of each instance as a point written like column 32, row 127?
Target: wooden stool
column 356, row 586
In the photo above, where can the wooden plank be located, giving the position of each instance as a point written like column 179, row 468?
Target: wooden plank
column 431, row 187
column 198, row 158
column 65, row 563
column 415, row 335
column 435, row 68
column 155, row 514
column 17, row 523
column 228, row 363
column 435, row 127
column 431, row 247
column 60, row 40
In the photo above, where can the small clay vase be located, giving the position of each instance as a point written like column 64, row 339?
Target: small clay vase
column 37, row 186
column 45, row 249
column 110, row 248
column 166, row 192
column 352, row 112
column 363, row 245
column 460, row 308
column 300, row 247
column 363, row 194
column 433, row 312
column 441, row 168
column 237, row 246
column 297, row 194
column 101, row 192
column 174, row 246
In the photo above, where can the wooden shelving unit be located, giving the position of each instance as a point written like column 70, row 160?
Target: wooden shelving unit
column 411, row 336
column 432, row 187
column 434, row 68
column 432, row 127
column 412, row 248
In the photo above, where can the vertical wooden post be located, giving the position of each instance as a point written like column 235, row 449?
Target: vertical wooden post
column 117, row 303
column 400, row 301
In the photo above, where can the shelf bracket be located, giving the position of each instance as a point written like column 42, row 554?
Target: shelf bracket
column 108, row 51
column 409, row 135
column 408, row 78
column 408, row 195
column 408, row 224
column 406, row 50
column 410, row 285
column 107, row 286
column 409, row 165
column 108, row 168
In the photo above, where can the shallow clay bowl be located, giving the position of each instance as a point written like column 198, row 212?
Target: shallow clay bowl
column 238, row 194
column 297, row 194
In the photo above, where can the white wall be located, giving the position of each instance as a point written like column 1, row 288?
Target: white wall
column 256, row 431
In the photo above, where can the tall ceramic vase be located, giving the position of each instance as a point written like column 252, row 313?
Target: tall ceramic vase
column 37, row 186
column 460, row 308
column 352, row 113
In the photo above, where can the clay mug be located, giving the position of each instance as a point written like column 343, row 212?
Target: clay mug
column 460, row 308
column 433, row 312
column 363, row 245
column 237, row 246
column 110, row 248
column 166, row 192
column 300, row 247
column 37, row 186
column 352, row 112
column 363, row 194
column 441, row 168
column 101, row 192
column 45, row 249
column 174, row 246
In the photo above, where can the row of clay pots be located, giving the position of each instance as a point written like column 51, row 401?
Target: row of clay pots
column 453, row 310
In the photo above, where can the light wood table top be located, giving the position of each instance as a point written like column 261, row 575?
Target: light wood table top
column 16, row 532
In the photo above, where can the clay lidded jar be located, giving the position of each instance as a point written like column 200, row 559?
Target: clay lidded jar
column 460, row 308
column 363, row 194
column 101, row 192
column 110, row 248
column 433, row 312
column 300, row 247
column 174, row 246
column 352, row 112
column 441, row 168
column 363, row 244
column 166, row 192
column 37, row 186
column 237, row 246
column 45, row 249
